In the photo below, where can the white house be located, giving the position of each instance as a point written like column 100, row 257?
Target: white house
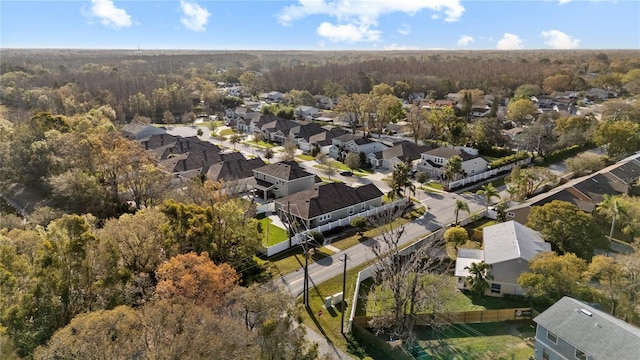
column 342, row 145
column 388, row 158
column 282, row 179
column 306, row 112
column 433, row 162
column 507, row 247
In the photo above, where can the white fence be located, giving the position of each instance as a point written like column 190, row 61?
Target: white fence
column 301, row 236
column 487, row 174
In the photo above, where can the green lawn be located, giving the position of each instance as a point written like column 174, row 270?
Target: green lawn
column 260, row 144
column 305, row 157
column 504, row 340
column 272, row 234
column 226, row 132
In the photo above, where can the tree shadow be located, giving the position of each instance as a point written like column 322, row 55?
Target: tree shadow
column 321, row 258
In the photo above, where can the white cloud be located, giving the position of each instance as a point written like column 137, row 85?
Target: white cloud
column 465, row 40
column 109, row 14
column 195, row 16
column 404, row 29
column 562, row 2
column 397, row 47
column 510, row 42
column 347, row 32
column 559, row 40
column 363, row 15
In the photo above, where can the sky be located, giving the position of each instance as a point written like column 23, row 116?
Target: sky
column 321, row 24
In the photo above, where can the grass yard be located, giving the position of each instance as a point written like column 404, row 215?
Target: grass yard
column 304, row 157
column 272, row 234
column 488, row 341
column 260, row 144
column 430, row 186
column 226, row 132
column 290, row 260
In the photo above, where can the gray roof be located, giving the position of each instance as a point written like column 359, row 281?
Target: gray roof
column 598, row 334
column 234, row 169
column 406, row 150
column 448, row 153
column 511, row 240
column 324, row 199
column 286, row 170
column 627, row 172
column 137, row 130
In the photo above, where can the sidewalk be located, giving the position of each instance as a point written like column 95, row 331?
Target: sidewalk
column 325, row 347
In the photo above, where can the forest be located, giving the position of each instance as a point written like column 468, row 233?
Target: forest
column 112, row 240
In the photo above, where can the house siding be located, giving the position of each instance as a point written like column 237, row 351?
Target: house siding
column 560, row 351
column 344, row 212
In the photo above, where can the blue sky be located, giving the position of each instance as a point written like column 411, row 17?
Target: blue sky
column 321, row 24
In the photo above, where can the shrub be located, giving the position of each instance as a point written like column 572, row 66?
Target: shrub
column 521, row 155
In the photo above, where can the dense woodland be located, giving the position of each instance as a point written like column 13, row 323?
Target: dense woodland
column 86, row 256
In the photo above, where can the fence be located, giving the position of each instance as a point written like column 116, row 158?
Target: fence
column 465, row 317
column 302, row 236
column 487, row 174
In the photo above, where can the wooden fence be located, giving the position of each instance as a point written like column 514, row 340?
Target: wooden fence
column 465, row 317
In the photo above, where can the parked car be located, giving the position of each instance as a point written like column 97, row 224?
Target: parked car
column 346, row 173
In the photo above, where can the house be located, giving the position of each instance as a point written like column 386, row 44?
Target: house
column 400, row 128
column 585, row 192
column 234, row 91
column 543, row 101
column 323, row 102
column 480, row 112
column 138, row 131
column 405, row 151
column 279, row 130
column 344, row 144
column 274, row 96
column 454, row 97
column 565, row 108
column 256, row 123
column 433, row 162
column 282, row 179
column 507, row 247
column 430, row 104
column 307, row 140
column 322, row 204
column 236, row 174
column 572, row 329
column 305, row 112
column 513, row 135
column 243, row 122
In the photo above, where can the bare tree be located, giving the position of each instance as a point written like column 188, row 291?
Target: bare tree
column 407, row 281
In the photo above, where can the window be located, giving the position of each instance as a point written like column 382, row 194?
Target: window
column 351, row 210
column 552, row 337
column 324, row 217
column 495, row 288
column 580, row 355
column 510, row 214
column 545, row 354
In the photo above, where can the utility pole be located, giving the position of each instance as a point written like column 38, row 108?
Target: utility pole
column 306, row 272
column 344, row 289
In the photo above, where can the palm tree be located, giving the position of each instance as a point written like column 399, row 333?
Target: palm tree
column 478, row 276
column 460, row 205
column 488, row 191
column 452, row 168
column 609, row 207
column 400, row 181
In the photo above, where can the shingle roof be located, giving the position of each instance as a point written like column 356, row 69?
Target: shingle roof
column 309, row 130
column 283, row 125
column 598, row 334
column 448, row 153
column 286, row 170
column 511, row 240
column 628, row 172
column 234, row 169
column 196, row 160
column 406, row 150
column 323, row 199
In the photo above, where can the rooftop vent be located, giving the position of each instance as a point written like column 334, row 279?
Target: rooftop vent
column 586, row 312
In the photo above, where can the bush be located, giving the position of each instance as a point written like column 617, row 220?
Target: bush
column 493, row 151
column 521, row 155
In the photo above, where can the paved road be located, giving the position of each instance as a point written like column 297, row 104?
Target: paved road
column 441, row 212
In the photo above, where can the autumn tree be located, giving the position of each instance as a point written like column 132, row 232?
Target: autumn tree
column 195, row 278
column 526, row 91
column 609, row 274
column 551, row 276
column 567, row 228
column 557, row 82
column 575, row 130
column 456, row 236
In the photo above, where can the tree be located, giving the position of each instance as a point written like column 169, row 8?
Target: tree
column 438, row 120
column 289, row 153
column 360, row 223
column 479, row 273
column 551, row 276
column 567, row 228
column 488, row 191
column 610, row 208
column 526, row 91
column 525, row 182
column 400, row 181
column 575, row 130
column 421, row 177
column 352, row 160
column 584, row 164
column 409, row 281
column 195, row 278
column 300, row 97
column 460, row 205
column 268, row 153
column 456, row 236
column 452, row 168
column 609, row 275
column 235, row 139
column 540, row 138
column 557, row 82
column 417, row 119
column 620, row 137
column 521, row 110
